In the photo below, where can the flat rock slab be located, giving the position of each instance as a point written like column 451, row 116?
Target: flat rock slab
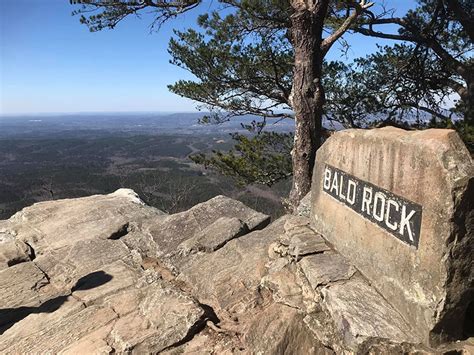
column 55, row 224
column 164, row 316
column 170, row 232
column 96, row 291
column 233, row 273
column 110, row 279
column 85, row 285
column 221, row 206
column 280, row 330
column 306, row 244
column 34, row 320
column 82, row 258
column 321, row 269
column 19, row 285
column 360, row 313
column 57, row 334
column 215, row 235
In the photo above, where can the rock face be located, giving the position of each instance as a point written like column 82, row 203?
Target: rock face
column 399, row 205
column 107, row 274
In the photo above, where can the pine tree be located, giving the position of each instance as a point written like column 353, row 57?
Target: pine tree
column 263, row 56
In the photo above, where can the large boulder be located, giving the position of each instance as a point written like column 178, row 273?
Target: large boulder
column 399, row 206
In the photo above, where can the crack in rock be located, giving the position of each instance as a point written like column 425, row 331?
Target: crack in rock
column 121, row 232
column 208, row 315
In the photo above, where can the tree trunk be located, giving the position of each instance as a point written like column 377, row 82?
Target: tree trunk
column 466, row 93
column 307, row 95
column 469, row 114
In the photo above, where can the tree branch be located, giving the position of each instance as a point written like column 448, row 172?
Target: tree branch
column 416, row 36
column 358, row 9
column 462, row 16
column 460, row 89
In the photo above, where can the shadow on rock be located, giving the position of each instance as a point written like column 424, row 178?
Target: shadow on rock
column 10, row 316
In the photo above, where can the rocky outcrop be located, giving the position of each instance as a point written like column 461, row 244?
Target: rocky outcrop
column 107, row 273
column 400, row 206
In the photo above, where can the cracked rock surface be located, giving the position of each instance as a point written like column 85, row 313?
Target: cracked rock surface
column 108, row 274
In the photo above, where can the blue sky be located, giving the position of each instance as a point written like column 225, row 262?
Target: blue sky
column 50, row 63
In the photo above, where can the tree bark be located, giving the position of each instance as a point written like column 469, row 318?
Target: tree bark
column 469, row 100
column 307, row 95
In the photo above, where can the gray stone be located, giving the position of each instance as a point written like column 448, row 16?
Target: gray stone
column 215, row 236
column 53, row 335
column 233, row 273
column 360, row 313
column 56, row 224
column 97, row 284
column 118, row 290
column 431, row 283
column 294, row 223
column 139, row 240
column 281, row 330
column 164, row 316
column 121, row 277
column 19, row 285
column 171, row 231
column 82, row 258
column 221, row 206
column 321, row 269
column 285, row 286
column 12, row 251
column 304, row 207
column 306, row 244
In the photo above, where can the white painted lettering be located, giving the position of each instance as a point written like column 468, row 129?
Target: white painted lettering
column 341, row 184
column 395, row 214
column 327, row 179
column 335, row 185
column 351, row 191
column 405, row 222
column 379, row 200
column 366, row 199
column 390, row 203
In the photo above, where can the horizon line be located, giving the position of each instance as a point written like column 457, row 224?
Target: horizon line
column 93, row 113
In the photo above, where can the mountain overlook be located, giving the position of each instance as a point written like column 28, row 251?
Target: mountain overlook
column 109, row 274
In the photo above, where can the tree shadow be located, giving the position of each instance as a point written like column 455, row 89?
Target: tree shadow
column 10, row 316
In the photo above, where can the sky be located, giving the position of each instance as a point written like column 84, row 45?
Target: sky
column 50, row 63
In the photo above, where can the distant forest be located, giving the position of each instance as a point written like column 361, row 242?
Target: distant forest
column 40, row 163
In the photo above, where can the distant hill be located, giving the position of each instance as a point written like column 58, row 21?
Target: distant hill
column 143, row 123
column 137, row 123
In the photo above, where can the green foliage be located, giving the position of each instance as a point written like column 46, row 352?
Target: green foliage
column 420, row 82
column 348, row 100
column 155, row 166
column 242, row 61
column 433, row 62
column 390, row 85
column 102, row 14
column 264, row 158
column 417, row 82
